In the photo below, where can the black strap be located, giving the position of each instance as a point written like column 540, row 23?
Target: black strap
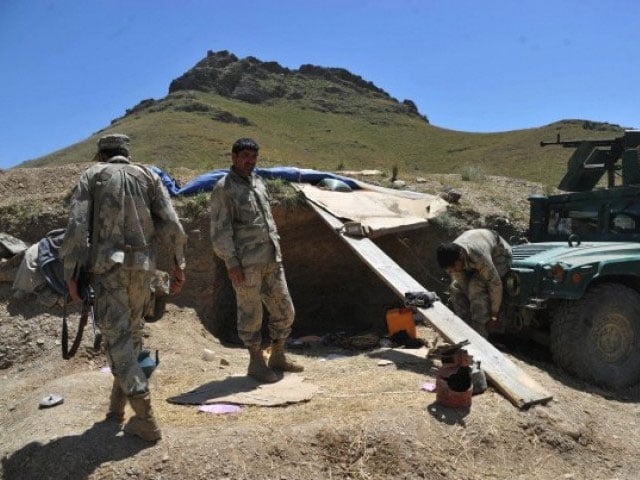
column 86, row 310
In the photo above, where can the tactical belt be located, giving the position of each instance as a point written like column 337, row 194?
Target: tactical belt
column 133, row 248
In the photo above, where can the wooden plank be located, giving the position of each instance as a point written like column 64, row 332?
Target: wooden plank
column 510, row 380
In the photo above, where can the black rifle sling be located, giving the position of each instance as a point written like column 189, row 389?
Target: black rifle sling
column 66, row 352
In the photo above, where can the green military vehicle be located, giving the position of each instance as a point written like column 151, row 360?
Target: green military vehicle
column 575, row 283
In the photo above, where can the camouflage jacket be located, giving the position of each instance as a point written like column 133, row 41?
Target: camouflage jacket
column 489, row 257
column 243, row 231
column 119, row 212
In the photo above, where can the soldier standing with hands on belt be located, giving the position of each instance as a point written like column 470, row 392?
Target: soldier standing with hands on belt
column 244, row 236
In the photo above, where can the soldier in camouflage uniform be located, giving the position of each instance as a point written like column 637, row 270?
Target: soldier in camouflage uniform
column 476, row 261
column 119, row 211
column 244, row 236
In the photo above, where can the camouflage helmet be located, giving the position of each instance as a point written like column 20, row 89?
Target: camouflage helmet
column 113, row 141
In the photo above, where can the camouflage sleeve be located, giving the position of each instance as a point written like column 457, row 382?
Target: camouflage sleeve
column 488, row 272
column 222, row 227
column 168, row 226
column 75, row 246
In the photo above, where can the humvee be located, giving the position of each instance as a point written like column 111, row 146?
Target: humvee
column 575, row 282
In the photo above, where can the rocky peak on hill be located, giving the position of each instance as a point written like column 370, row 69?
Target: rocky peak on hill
column 252, row 80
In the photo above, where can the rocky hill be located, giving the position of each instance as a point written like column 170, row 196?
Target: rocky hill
column 254, row 81
column 326, row 118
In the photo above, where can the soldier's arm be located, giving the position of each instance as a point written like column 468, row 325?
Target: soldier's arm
column 75, row 246
column 222, row 228
column 488, row 272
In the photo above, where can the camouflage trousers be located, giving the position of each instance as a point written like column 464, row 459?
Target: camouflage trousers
column 121, row 298
column 264, row 284
column 470, row 297
column 471, row 302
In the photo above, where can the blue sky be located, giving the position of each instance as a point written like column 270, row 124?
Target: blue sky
column 68, row 67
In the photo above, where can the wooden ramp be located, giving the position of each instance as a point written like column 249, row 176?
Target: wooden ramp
column 511, row 381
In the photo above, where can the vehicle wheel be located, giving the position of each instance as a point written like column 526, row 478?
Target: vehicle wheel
column 597, row 338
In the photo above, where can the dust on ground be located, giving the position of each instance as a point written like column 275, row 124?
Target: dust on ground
column 367, row 421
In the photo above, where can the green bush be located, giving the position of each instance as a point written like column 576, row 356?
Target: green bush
column 473, row 173
column 196, row 206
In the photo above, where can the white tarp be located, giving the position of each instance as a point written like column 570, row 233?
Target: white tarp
column 380, row 210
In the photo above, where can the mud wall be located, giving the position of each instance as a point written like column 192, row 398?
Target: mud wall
column 332, row 289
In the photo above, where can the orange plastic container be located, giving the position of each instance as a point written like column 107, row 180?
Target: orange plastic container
column 399, row 319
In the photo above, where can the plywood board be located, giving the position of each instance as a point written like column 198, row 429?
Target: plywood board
column 244, row 390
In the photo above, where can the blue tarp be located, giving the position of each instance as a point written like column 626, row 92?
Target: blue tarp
column 206, row 181
column 169, row 182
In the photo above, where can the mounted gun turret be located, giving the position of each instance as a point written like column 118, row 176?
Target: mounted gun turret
column 576, row 284
column 593, row 158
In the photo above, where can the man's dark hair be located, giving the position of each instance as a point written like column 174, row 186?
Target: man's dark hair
column 448, row 253
column 244, row 144
column 112, row 152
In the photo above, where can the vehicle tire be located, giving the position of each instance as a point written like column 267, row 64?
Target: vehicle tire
column 597, row 338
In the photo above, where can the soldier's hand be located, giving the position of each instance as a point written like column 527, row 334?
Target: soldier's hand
column 72, row 288
column 236, row 275
column 177, row 281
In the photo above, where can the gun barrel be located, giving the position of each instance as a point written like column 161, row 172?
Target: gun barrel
column 557, row 142
column 576, row 143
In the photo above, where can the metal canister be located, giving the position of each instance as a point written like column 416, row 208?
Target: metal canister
column 478, row 378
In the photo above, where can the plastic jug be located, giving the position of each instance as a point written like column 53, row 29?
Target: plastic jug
column 399, row 319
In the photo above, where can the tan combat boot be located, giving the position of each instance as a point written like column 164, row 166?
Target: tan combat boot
column 143, row 424
column 278, row 361
column 258, row 368
column 117, row 402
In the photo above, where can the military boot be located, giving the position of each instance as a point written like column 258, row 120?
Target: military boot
column 278, row 361
column 481, row 328
column 258, row 368
column 143, row 424
column 117, row 402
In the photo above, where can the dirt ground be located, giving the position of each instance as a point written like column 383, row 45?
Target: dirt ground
column 366, row 421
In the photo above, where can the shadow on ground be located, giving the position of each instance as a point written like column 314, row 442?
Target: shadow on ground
column 75, row 456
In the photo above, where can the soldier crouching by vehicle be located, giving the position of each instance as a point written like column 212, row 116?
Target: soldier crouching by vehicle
column 476, row 262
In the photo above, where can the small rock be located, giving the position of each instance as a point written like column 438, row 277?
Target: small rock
column 208, row 355
column 451, row 195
